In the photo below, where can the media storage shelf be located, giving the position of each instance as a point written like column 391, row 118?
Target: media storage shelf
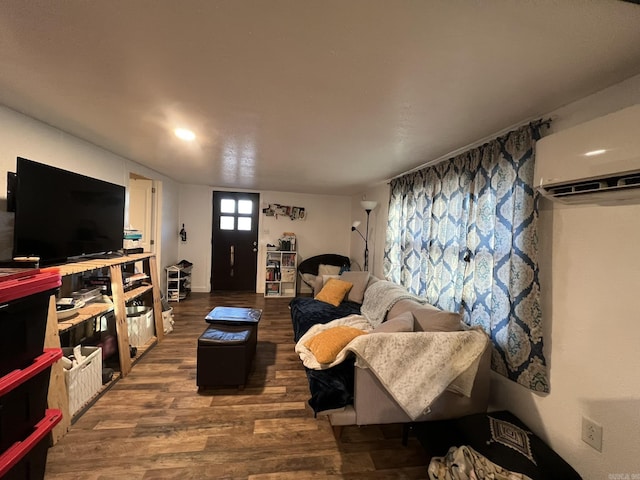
column 124, row 286
column 131, row 295
column 86, row 313
column 96, row 263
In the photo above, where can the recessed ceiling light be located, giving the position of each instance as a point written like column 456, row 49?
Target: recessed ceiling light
column 184, row 134
column 593, row 153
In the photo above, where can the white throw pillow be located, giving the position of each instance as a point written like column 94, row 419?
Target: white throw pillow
column 328, row 270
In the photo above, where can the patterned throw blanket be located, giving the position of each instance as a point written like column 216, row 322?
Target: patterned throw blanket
column 416, row 367
column 380, row 297
column 464, row 463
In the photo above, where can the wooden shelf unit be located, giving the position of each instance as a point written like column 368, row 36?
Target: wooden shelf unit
column 58, row 397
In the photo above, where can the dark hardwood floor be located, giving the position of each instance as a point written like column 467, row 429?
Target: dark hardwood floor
column 154, row 424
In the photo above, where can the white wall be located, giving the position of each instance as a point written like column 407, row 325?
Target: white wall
column 590, row 276
column 195, row 211
column 169, row 195
column 326, row 229
column 26, row 137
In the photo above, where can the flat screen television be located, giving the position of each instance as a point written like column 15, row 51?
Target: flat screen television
column 62, row 215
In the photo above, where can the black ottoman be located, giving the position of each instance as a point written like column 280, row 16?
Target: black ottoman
column 225, row 354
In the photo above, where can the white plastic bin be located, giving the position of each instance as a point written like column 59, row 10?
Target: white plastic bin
column 85, row 379
column 140, row 325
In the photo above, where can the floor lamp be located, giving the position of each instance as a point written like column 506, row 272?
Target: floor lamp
column 368, row 205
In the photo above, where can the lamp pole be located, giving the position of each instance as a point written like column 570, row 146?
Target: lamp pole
column 368, row 206
column 366, row 244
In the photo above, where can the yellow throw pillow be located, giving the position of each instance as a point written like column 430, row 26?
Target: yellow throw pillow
column 334, row 291
column 326, row 345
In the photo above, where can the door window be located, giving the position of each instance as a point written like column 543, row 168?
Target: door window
column 227, row 222
column 237, row 214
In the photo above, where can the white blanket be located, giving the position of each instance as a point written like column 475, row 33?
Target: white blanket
column 414, row 367
column 380, row 297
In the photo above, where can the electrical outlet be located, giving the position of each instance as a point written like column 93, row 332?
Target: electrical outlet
column 592, row 433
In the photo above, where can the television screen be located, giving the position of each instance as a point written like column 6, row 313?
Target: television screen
column 60, row 214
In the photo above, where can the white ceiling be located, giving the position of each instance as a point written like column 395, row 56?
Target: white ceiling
column 319, row 96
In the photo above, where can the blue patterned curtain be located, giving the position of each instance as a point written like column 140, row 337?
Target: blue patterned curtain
column 462, row 234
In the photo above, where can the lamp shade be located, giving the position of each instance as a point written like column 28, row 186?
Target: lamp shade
column 368, row 204
column 356, row 224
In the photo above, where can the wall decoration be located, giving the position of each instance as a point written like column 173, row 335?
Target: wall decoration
column 276, row 210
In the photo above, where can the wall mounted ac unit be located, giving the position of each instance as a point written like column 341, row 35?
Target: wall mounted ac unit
column 595, row 162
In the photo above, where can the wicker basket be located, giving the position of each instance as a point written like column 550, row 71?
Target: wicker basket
column 85, row 379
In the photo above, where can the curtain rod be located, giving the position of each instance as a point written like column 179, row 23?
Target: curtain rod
column 475, row 144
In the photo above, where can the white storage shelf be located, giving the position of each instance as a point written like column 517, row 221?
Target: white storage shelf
column 178, row 283
column 281, row 273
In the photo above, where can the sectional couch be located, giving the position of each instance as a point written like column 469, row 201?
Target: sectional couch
column 409, row 348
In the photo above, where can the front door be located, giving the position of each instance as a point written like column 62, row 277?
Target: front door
column 234, row 253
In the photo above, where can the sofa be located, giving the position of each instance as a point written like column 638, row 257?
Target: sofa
column 353, row 390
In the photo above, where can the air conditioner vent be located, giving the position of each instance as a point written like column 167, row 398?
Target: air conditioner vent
column 625, row 186
column 596, row 162
column 631, row 180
